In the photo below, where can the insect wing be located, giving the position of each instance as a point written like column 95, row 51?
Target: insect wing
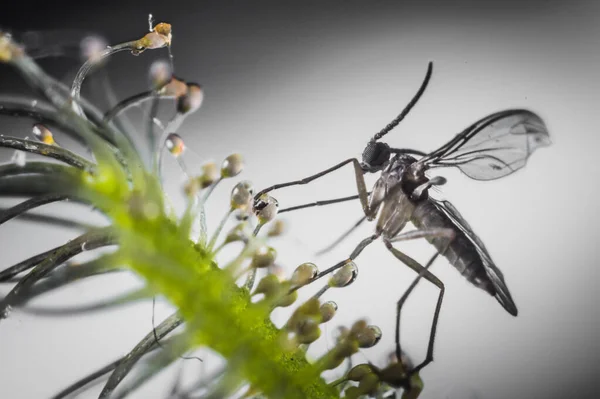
column 494, row 146
column 495, row 275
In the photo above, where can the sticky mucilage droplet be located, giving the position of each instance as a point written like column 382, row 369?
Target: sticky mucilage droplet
column 174, row 144
column 265, row 208
column 43, row 134
column 241, row 195
column 344, row 276
column 232, row 166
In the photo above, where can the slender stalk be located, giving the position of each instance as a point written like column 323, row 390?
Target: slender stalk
column 132, row 101
column 12, row 169
column 88, row 241
column 153, row 160
column 249, row 284
column 158, row 147
column 43, row 113
column 50, row 220
column 104, row 85
column 50, row 118
column 68, row 274
column 27, row 264
column 19, row 293
column 204, row 383
column 54, row 93
column 173, row 349
column 86, row 380
column 147, row 343
column 34, row 185
column 87, row 66
column 20, row 209
column 217, row 232
column 201, row 203
column 51, row 151
column 115, row 302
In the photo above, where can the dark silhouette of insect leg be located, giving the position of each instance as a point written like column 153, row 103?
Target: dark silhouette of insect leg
column 359, row 175
column 363, row 195
column 403, row 298
column 423, row 272
column 361, row 186
column 359, row 248
column 320, row 203
column 410, row 235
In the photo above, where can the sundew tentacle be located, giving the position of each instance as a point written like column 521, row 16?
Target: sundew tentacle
column 218, row 313
column 151, row 241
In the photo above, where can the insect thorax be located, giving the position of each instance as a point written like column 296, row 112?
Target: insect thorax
column 405, row 170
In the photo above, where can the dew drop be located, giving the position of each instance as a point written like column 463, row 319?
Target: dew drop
column 264, row 257
column 304, row 274
column 369, row 336
column 327, row 311
column 265, row 208
column 43, row 134
column 175, row 144
column 232, row 165
column 345, row 275
column 210, row 174
column 176, row 88
column 192, row 100
column 241, row 195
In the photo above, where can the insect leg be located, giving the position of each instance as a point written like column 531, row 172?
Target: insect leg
column 429, row 233
column 306, row 179
column 402, row 299
column 360, row 182
column 319, row 203
column 426, row 233
column 359, row 248
column 423, row 272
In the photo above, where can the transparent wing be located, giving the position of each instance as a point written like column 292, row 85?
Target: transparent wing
column 494, row 146
column 495, row 275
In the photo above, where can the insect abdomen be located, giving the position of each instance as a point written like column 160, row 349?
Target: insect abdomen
column 461, row 253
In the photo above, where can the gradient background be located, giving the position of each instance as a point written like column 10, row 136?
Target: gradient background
column 299, row 86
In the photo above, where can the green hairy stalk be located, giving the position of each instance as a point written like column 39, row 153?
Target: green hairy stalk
column 124, row 183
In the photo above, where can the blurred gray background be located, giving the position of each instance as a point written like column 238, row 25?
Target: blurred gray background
column 298, row 86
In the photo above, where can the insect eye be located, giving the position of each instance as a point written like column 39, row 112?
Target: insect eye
column 376, row 154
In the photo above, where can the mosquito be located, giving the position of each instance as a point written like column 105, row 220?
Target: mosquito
column 491, row 148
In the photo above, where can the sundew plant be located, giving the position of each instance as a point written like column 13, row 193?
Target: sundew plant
column 225, row 308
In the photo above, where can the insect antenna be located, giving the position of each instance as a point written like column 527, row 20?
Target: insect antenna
column 406, row 109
